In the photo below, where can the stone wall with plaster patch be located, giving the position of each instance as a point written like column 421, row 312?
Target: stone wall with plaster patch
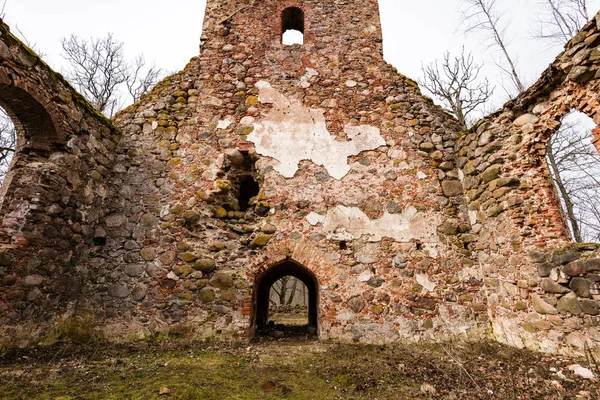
column 318, row 155
column 356, row 182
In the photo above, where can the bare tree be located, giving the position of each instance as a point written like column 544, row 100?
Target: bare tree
column 8, row 142
column 140, row 79
column 455, row 81
column 99, row 70
column 561, row 19
column 483, row 16
column 575, row 167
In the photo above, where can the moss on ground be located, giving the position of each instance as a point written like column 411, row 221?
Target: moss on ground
column 286, row 370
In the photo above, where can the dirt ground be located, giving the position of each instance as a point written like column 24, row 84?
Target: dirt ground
column 291, row 369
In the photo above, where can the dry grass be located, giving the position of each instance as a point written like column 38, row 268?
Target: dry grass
column 289, row 370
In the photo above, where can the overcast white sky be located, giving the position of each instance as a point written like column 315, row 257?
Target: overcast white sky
column 168, row 32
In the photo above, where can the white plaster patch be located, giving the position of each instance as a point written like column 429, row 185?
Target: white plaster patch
column 225, row 123
column 345, row 316
column 314, row 218
column 397, row 154
column 351, row 223
column 424, row 281
column 291, row 133
column 473, row 217
column 582, row 371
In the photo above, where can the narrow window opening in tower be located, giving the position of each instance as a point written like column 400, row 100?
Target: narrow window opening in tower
column 8, row 143
column 249, row 188
column 292, row 26
column 574, row 164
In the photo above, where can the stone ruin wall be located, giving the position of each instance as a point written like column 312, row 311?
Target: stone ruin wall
column 543, row 290
column 51, row 200
column 350, row 160
column 360, row 183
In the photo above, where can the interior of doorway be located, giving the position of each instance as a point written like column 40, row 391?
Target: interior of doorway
column 286, row 299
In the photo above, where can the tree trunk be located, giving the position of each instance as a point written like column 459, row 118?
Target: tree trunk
column 563, row 193
column 282, row 294
column 498, row 38
column 294, row 285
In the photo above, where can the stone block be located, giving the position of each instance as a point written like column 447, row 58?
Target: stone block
column 581, row 287
column 541, row 306
column 356, row 304
column 205, row 265
column 569, row 304
column 574, row 268
column 452, row 188
column 550, row 286
column 221, row 280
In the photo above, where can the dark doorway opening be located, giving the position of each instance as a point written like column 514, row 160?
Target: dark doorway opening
column 296, row 319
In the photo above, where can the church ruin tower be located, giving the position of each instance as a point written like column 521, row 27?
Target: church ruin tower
column 318, row 161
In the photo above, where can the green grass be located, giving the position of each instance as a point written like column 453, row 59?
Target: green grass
column 281, row 370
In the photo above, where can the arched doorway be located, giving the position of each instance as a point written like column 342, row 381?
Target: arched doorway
column 262, row 303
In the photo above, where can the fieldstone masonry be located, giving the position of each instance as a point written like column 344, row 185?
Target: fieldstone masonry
column 51, row 200
column 319, row 160
column 542, row 291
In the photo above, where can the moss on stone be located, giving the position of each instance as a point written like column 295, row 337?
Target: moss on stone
column 75, row 96
column 261, row 240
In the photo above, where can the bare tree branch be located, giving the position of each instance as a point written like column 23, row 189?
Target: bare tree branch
column 32, row 46
column 560, row 20
column 455, row 81
column 139, row 79
column 3, row 10
column 98, row 69
column 483, row 16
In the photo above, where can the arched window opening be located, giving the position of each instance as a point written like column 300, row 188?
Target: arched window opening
column 285, row 302
column 34, row 128
column 574, row 163
column 26, row 132
column 292, row 26
column 8, row 143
